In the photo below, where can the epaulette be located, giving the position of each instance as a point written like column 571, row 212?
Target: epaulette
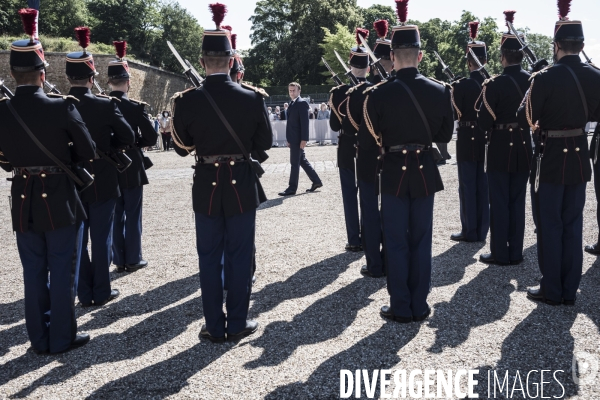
column 257, row 90
column 140, row 102
column 485, row 82
column 374, row 87
column 353, row 88
column 540, row 72
column 64, row 96
column 180, row 94
column 3, row 99
column 439, row 82
column 108, row 97
column 336, row 88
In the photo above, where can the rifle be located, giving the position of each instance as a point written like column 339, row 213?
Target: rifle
column 188, row 70
column 51, row 88
column 587, row 59
column 536, row 65
column 376, row 62
column 446, row 69
column 100, row 90
column 334, row 76
column 480, row 68
column 6, row 90
column 349, row 73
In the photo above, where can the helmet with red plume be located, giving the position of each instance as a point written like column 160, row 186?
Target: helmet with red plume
column 217, row 42
column 80, row 64
column 27, row 55
column 403, row 35
column 565, row 29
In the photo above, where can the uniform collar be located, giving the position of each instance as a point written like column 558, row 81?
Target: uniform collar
column 79, row 91
column 571, row 59
column 474, row 74
column 28, row 89
column 218, row 78
column 512, row 69
column 118, row 94
column 407, row 72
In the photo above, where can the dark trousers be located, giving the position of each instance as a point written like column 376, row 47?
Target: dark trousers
column 508, row 191
column 408, row 232
column 166, row 139
column 443, row 148
column 534, row 211
column 232, row 237
column 350, row 200
column 372, row 235
column 297, row 160
column 50, row 311
column 127, row 232
column 560, row 231
column 474, row 200
column 597, row 190
column 94, row 276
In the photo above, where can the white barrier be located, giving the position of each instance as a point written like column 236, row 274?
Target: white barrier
column 318, row 130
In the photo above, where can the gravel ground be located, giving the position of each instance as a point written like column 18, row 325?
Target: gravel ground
column 317, row 313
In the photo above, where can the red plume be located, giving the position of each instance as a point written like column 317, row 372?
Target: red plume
column 234, row 41
column 218, row 11
column 381, row 27
column 473, row 28
column 509, row 16
column 227, row 28
column 121, row 48
column 362, row 32
column 83, row 36
column 564, row 6
column 402, row 10
column 28, row 16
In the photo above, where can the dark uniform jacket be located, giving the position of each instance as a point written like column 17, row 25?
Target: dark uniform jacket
column 297, row 128
column 225, row 188
column 105, row 123
column 470, row 139
column 556, row 104
column 392, row 115
column 346, row 141
column 351, row 124
column 145, row 135
column 46, row 201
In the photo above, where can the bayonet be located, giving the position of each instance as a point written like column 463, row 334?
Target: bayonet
column 445, row 69
column 480, row 68
column 334, row 76
column 376, row 62
column 6, row 90
column 536, row 64
column 100, row 90
column 186, row 69
column 51, row 87
column 196, row 73
column 349, row 73
column 587, row 59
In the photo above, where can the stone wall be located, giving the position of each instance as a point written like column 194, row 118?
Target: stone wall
column 149, row 84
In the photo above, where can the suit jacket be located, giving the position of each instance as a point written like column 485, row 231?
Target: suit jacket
column 136, row 116
column 297, row 122
column 282, row 114
column 47, row 201
column 346, row 140
column 226, row 188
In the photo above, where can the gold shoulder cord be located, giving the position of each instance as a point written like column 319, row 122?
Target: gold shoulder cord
column 333, row 107
column 340, row 107
column 369, row 124
column 178, row 142
column 487, row 105
column 458, row 113
column 352, row 121
column 529, row 108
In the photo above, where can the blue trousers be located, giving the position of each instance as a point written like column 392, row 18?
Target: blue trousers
column 297, row 160
column 474, row 200
column 50, row 309
column 94, row 276
column 372, row 236
column 350, row 200
column 560, row 239
column 508, row 191
column 408, row 232
column 127, row 232
column 234, row 237
column 597, row 190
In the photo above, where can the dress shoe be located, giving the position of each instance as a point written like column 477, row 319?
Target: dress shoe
column 489, row 259
column 114, row 293
column 593, row 249
column 286, row 193
column 80, row 340
column 86, row 304
column 441, row 162
column 120, row 268
column 39, row 352
column 459, row 237
column 204, row 334
column 135, row 267
column 424, row 316
column 365, row 271
column 350, row 247
column 386, row 312
column 251, row 327
column 314, row 187
column 517, row 262
column 538, row 295
column 568, row 302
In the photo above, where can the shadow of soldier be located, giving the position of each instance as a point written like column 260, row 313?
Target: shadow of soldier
column 376, row 351
column 12, row 312
column 449, row 267
column 277, row 201
column 325, row 319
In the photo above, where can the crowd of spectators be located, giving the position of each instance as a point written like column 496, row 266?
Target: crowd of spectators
column 315, row 112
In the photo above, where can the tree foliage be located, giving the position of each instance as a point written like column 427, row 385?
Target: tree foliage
column 341, row 40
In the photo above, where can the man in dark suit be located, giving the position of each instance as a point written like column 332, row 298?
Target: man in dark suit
column 296, row 134
column 226, row 189
column 47, row 213
column 283, row 113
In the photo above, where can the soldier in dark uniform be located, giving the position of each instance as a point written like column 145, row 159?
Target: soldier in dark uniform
column 226, row 189
column 127, row 231
column 339, row 121
column 47, row 213
column 406, row 129
column 559, row 103
column 382, row 50
column 509, row 155
column 470, row 148
column 105, row 124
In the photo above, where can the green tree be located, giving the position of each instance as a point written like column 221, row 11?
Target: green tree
column 10, row 23
column 59, row 17
column 342, row 40
column 374, row 13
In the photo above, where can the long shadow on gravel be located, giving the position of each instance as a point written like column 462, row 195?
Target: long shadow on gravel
column 376, row 351
column 325, row 319
column 307, row 281
column 484, row 300
column 449, row 267
column 12, row 312
column 277, row 201
column 139, row 339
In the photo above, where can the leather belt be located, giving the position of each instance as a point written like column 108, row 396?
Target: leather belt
column 467, row 124
column 405, row 148
column 509, row 126
column 220, row 159
column 564, row 133
column 39, row 170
